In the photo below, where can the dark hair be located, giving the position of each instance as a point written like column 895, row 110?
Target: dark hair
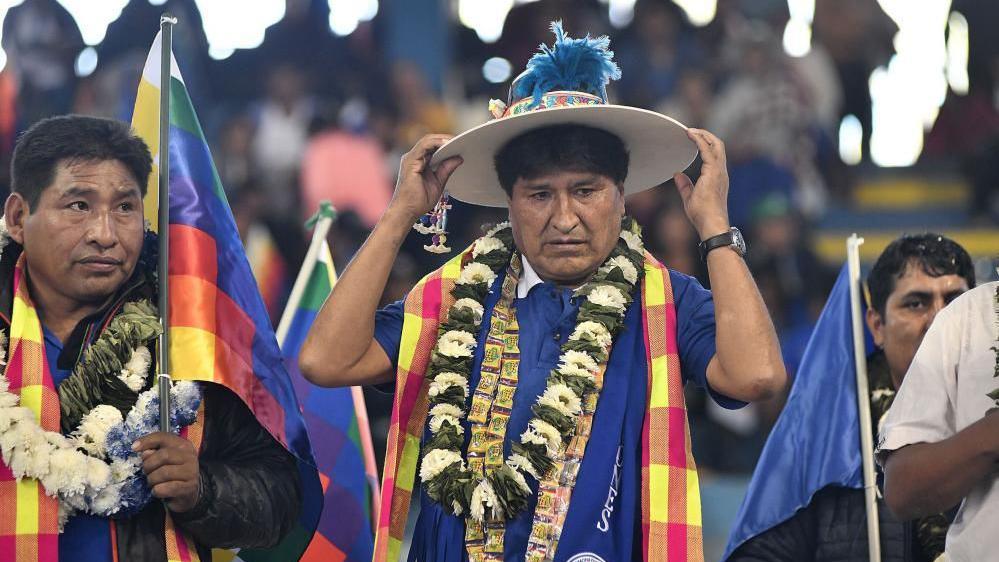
column 937, row 255
column 561, row 147
column 74, row 138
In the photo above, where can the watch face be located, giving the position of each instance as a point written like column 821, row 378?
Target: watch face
column 738, row 242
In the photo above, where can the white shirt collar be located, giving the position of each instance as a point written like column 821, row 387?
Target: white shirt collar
column 528, row 279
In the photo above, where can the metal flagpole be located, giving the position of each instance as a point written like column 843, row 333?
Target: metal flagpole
column 163, row 380
column 863, row 400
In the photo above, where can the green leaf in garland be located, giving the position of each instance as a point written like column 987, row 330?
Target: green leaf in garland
column 512, row 498
column 579, row 385
column 536, row 454
column 447, row 438
column 454, row 395
column 94, row 380
column 476, row 292
column 557, row 419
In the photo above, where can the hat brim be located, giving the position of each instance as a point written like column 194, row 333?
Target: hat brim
column 658, row 147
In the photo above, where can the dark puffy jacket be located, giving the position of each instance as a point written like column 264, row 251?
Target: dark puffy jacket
column 251, row 494
column 832, row 528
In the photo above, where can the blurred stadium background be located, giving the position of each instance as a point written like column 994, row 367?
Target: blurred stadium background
column 872, row 116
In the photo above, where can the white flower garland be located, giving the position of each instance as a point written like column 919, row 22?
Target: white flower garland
column 501, row 493
column 73, row 468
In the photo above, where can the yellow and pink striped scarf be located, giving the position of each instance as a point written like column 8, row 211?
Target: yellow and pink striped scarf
column 29, row 519
column 671, row 506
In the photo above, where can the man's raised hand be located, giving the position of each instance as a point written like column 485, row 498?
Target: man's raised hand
column 706, row 203
column 420, row 186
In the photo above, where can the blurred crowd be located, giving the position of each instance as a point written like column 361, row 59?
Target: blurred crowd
column 310, row 116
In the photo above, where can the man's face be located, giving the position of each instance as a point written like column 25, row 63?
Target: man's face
column 566, row 223
column 909, row 311
column 84, row 235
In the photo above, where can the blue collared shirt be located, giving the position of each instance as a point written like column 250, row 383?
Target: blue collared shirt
column 86, row 538
column 607, row 521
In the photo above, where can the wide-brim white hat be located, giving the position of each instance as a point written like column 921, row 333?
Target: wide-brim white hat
column 657, row 145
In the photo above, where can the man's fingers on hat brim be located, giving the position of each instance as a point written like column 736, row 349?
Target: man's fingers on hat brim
column 428, row 143
column 709, row 145
column 444, row 170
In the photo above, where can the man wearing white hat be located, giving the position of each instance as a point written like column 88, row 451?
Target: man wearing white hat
column 539, row 374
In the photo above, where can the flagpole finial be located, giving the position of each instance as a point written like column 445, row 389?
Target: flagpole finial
column 167, row 17
column 325, row 211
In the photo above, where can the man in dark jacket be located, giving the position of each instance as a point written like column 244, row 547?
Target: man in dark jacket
column 77, row 258
column 911, row 281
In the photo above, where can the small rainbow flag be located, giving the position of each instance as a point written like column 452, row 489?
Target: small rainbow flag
column 219, row 329
column 338, row 424
column 269, row 268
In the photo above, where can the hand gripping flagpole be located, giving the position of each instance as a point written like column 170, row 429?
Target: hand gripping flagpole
column 863, row 400
column 163, row 380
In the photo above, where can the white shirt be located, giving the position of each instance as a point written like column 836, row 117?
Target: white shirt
column 944, row 392
column 528, row 279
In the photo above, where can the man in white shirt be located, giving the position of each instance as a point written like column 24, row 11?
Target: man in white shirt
column 940, row 441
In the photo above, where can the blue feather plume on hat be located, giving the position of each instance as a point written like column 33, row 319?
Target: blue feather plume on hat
column 585, row 65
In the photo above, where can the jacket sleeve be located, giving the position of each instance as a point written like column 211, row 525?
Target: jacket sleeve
column 250, row 495
column 790, row 541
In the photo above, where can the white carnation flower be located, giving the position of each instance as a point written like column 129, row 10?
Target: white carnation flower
column 107, row 500
column 608, row 296
column 18, row 437
column 576, row 371
column 435, row 461
column 484, row 496
column 447, row 410
column 456, row 343
column 633, row 240
column 8, row 400
column 475, row 273
column 98, row 473
column 497, row 228
column 67, row 473
column 121, row 469
column 133, row 373
column 520, row 463
column 594, row 331
column 437, row 421
column 93, row 429
column 65, row 512
column 540, row 432
column 579, row 359
column 563, row 399
column 487, row 244
column 446, row 380
column 627, row 268
column 76, row 502
column 473, row 305
column 4, row 234
column 456, row 507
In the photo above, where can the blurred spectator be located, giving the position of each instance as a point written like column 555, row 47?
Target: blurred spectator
column 780, row 246
column 283, row 120
column 691, row 103
column 762, row 113
column 346, row 166
column 672, row 240
column 234, row 152
column 420, row 112
column 42, row 43
column 661, row 47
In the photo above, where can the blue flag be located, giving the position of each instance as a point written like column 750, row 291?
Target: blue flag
column 816, row 441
